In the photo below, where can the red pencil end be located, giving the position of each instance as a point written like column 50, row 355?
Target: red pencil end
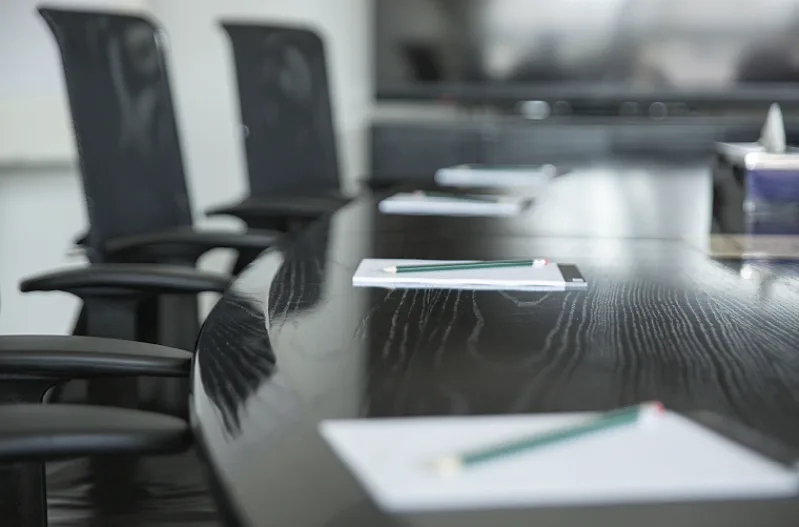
column 658, row 406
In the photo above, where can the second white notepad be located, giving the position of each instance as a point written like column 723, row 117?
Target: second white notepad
column 510, row 176
column 550, row 277
column 418, row 203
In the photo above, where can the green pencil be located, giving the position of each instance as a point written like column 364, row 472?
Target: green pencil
column 464, row 265
column 624, row 416
column 458, row 197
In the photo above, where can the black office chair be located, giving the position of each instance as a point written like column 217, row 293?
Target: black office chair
column 31, row 433
column 130, row 157
column 113, row 296
column 288, row 127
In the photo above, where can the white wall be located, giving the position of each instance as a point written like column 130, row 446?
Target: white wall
column 41, row 205
column 34, row 122
column 42, row 209
column 34, row 117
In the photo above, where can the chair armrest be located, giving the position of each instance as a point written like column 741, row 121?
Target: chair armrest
column 81, row 239
column 116, row 279
column 52, row 431
column 68, row 357
column 290, row 207
column 237, row 210
column 79, row 247
column 184, row 245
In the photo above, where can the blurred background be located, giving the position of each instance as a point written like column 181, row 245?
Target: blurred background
column 618, row 46
column 416, row 85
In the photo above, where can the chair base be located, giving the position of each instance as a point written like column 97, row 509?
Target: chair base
column 23, row 498
column 23, row 501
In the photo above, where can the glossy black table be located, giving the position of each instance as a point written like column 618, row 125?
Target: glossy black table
column 293, row 343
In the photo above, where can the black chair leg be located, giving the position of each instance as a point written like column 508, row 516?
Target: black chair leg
column 80, row 323
column 169, row 320
column 114, row 486
column 112, row 318
column 243, row 259
column 147, row 316
column 23, row 493
column 57, row 394
column 282, row 224
column 178, row 327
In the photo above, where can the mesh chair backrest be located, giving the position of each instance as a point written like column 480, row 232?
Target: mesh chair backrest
column 124, row 122
column 285, row 108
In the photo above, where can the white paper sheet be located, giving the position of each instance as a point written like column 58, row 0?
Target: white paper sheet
column 370, row 273
column 495, row 176
column 670, row 458
column 420, row 204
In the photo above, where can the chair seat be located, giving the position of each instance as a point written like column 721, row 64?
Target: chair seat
column 36, row 432
column 287, row 205
column 85, row 357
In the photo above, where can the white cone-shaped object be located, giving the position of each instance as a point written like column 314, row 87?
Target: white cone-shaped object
column 772, row 136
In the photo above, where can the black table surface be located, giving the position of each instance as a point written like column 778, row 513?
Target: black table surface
column 293, row 343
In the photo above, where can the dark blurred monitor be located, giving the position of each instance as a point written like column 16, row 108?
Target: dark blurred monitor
column 614, row 50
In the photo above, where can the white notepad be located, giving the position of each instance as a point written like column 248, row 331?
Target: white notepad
column 549, row 277
column 668, row 459
column 534, row 176
column 421, row 204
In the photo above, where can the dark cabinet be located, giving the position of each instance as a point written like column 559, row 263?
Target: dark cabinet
column 413, row 151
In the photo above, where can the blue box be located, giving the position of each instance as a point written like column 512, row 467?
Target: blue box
column 769, row 181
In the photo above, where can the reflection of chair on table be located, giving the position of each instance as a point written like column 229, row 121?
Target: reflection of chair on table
column 234, row 376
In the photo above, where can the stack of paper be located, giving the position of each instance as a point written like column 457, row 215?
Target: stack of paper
column 753, row 247
column 549, row 277
column 453, row 205
column 535, row 176
column 670, row 458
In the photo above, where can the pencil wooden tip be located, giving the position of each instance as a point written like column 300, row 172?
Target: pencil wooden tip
column 652, row 413
column 392, row 270
column 448, row 465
